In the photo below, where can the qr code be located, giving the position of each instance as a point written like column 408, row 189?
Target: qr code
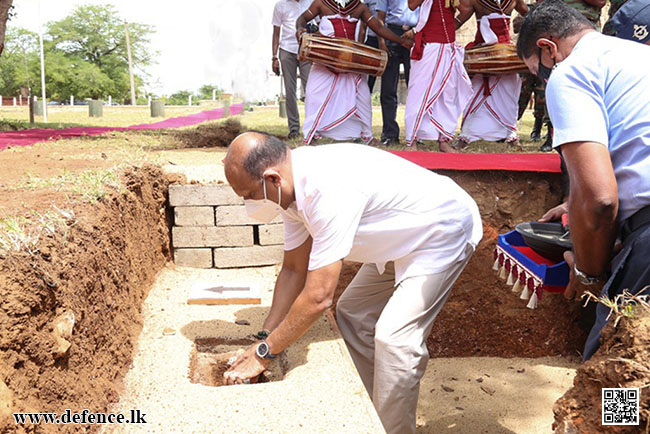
column 620, row 406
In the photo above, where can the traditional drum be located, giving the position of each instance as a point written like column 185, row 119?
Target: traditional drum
column 494, row 59
column 343, row 55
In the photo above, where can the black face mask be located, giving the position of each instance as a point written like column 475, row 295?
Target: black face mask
column 544, row 72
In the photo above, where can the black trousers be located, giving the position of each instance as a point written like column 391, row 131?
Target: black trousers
column 372, row 41
column 398, row 55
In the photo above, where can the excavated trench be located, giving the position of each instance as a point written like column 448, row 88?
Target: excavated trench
column 97, row 278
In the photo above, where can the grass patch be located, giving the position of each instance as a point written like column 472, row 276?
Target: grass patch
column 18, row 234
column 89, row 185
column 625, row 305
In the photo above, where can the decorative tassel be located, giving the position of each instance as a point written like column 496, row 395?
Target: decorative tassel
column 525, row 294
column 510, row 281
column 517, row 286
column 513, row 275
column 532, row 303
column 502, row 273
column 495, row 267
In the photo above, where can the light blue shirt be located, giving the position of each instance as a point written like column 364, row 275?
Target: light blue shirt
column 398, row 12
column 601, row 93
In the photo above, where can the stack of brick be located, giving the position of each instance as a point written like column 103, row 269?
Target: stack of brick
column 212, row 230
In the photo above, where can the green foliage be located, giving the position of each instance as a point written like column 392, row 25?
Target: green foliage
column 182, row 98
column 205, row 91
column 85, row 56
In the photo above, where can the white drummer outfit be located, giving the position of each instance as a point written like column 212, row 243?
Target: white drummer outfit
column 413, row 230
column 439, row 88
column 337, row 104
column 493, row 108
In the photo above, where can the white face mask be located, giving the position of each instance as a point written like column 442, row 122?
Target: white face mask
column 264, row 210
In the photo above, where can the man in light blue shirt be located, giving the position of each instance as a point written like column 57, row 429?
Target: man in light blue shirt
column 598, row 97
column 399, row 19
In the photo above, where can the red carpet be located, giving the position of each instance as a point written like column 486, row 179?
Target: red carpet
column 510, row 162
column 31, row 136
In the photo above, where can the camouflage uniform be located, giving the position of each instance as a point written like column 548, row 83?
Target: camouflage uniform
column 530, row 84
column 614, row 6
column 592, row 13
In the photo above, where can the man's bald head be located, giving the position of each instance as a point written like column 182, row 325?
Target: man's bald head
column 255, row 152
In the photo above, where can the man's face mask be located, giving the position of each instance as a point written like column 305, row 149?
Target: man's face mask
column 264, row 210
column 544, row 72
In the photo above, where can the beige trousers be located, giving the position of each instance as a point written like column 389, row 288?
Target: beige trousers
column 385, row 329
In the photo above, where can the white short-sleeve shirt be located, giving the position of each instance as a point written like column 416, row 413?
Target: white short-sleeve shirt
column 368, row 205
column 285, row 14
column 601, row 93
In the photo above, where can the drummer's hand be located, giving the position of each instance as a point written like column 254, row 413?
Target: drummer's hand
column 555, row 213
column 276, row 66
column 299, row 33
column 410, row 35
column 575, row 289
column 407, row 43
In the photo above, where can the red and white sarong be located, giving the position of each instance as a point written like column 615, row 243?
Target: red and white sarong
column 439, row 87
column 492, row 111
column 438, row 90
column 337, row 105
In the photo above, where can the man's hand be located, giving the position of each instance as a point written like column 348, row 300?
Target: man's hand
column 575, row 289
column 555, row 213
column 406, row 43
column 410, row 35
column 299, row 33
column 276, row 66
column 247, row 366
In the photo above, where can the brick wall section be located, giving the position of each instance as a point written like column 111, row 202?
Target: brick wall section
column 212, row 230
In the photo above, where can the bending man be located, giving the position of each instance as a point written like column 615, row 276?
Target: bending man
column 414, row 231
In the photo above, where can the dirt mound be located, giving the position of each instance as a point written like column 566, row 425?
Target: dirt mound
column 209, row 135
column 70, row 313
column 482, row 316
column 623, row 361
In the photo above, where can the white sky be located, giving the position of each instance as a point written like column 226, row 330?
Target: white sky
column 222, row 42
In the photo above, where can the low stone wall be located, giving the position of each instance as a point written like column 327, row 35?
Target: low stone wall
column 212, row 230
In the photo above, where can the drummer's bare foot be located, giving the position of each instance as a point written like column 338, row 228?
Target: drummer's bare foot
column 514, row 141
column 412, row 147
column 445, row 146
column 461, row 143
column 374, row 142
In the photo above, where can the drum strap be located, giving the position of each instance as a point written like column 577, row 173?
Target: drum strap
column 343, row 7
column 496, row 5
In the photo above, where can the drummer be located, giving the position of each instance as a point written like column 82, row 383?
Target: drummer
column 337, row 105
column 493, row 108
column 439, row 87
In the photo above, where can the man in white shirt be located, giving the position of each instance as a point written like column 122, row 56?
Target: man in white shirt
column 285, row 14
column 413, row 230
column 598, row 94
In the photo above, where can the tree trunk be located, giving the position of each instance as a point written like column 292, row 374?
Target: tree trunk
column 4, row 15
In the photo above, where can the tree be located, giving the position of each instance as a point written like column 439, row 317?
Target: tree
column 19, row 66
column 181, row 98
column 205, row 91
column 96, row 34
column 5, row 12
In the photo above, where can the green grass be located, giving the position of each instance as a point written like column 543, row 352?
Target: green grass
column 267, row 119
column 23, row 233
column 12, row 118
column 89, row 185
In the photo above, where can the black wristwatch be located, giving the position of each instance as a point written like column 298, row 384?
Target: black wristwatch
column 262, row 351
column 586, row 279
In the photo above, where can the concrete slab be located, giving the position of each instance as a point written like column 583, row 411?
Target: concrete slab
column 320, row 392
